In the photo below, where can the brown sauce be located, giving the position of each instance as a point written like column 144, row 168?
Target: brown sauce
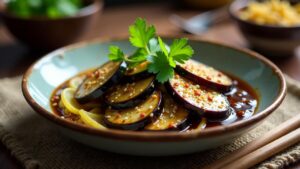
column 243, row 104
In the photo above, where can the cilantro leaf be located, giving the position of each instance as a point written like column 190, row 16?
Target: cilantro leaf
column 162, row 58
column 139, row 55
column 180, row 51
column 153, row 46
column 159, row 65
column 140, row 34
column 165, row 49
column 116, row 54
column 163, row 46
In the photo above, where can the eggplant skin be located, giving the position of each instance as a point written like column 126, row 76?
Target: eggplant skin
column 201, row 81
column 98, row 93
column 140, row 124
column 138, row 76
column 210, row 114
column 137, row 73
column 133, row 102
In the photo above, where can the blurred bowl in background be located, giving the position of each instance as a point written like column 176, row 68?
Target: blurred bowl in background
column 42, row 33
column 273, row 41
column 205, row 4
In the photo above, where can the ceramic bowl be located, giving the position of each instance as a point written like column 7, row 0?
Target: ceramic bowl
column 273, row 41
column 56, row 67
column 41, row 33
column 205, row 4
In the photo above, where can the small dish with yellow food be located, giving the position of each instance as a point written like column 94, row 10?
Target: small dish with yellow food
column 271, row 27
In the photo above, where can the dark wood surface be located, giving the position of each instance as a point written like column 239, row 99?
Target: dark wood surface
column 15, row 57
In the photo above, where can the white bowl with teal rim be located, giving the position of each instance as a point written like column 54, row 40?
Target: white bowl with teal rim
column 56, row 67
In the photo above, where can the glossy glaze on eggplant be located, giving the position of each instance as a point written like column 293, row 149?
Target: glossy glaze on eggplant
column 208, row 103
column 130, row 94
column 98, row 82
column 205, row 75
column 131, row 102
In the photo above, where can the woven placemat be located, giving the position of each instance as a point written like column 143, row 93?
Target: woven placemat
column 37, row 144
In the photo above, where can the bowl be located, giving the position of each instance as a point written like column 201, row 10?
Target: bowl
column 206, row 4
column 273, row 41
column 44, row 33
column 51, row 70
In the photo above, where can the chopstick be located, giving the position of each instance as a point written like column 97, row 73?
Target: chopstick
column 280, row 131
column 266, row 151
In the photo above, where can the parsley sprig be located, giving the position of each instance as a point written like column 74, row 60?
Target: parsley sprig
column 162, row 58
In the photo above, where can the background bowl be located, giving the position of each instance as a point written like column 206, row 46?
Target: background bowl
column 45, row 34
column 53, row 69
column 269, row 40
column 205, row 4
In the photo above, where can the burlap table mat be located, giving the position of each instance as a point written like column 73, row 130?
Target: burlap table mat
column 37, row 144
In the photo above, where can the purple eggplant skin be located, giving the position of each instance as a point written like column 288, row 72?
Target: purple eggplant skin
column 201, row 81
column 138, row 76
column 98, row 93
column 210, row 114
column 135, row 101
column 139, row 72
column 140, row 124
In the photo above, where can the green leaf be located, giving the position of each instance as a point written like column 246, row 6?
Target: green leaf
column 66, row 8
column 159, row 65
column 163, row 46
column 48, row 8
column 140, row 34
column 154, row 46
column 138, row 56
column 180, row 51
column 116, row 54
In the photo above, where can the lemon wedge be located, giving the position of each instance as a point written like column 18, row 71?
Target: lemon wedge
column 91, row 119
column 68, row 100
column 76, row 81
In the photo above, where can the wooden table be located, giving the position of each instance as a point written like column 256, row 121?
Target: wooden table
column 15, row 58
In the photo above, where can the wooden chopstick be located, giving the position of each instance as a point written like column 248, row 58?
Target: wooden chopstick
column 270, row 136
column 266, row 151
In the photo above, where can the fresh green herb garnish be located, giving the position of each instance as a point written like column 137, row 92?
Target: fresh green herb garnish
column 47, row 8
column 162, row 58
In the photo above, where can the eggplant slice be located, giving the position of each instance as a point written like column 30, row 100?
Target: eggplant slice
column 137, row 117
column 130, row 94
column 138, row 72
column 99, row 81
column 205, row 75
column 173, row 116
column 202, row 100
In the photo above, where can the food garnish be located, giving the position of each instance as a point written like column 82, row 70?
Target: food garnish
column 161, row 58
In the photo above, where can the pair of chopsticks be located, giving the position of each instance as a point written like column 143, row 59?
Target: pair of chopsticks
column 273, row 142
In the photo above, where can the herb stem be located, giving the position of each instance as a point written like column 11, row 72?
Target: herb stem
column 147, row 50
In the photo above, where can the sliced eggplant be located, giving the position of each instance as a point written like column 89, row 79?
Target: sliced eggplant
column 205, row 75
column 130, row 94
column 138, row 72
column 137, row 117
column 204, row 101
column 99, row 81
column 173, row 116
